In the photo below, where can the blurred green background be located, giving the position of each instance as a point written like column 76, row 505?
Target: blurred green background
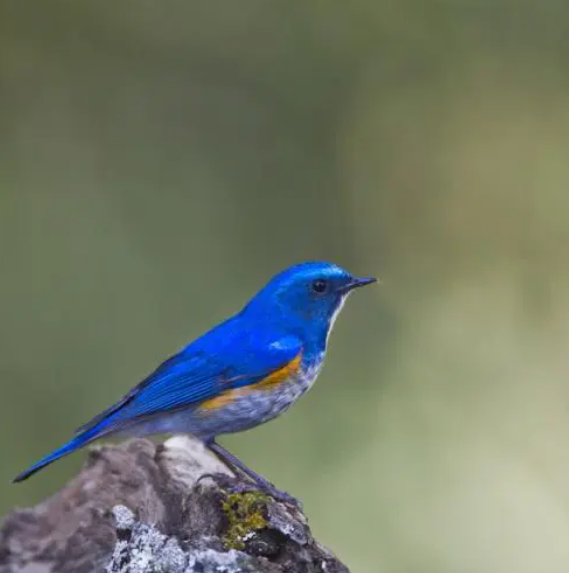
column 161, row 160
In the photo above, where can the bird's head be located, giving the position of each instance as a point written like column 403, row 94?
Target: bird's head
column 306, row 297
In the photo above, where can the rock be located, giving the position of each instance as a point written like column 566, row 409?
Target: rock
column 169, row 508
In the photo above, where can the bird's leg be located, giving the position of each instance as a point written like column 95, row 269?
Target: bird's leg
column 235, row 463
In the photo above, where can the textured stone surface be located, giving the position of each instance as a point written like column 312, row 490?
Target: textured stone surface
column 146, row 508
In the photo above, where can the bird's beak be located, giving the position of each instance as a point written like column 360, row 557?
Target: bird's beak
column 358, row 282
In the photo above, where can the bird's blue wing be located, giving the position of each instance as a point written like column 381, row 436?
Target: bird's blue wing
column 222, row 360
column 198, row 373
column 182, row 369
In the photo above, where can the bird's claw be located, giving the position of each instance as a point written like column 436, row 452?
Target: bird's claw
column 232, row 486
column 219, row 478
column 284, row 497
column 269, row 489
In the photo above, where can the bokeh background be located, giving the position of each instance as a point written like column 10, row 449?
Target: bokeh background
column 161, row 160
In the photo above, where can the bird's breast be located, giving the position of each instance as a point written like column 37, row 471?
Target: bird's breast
column 243, row 408
column 309, row 371
column 270, row 402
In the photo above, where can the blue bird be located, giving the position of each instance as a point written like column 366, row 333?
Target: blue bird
column 242, row 373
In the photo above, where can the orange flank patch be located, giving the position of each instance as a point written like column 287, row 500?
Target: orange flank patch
column 281, row 375
column 222, row 400
column 277, row 377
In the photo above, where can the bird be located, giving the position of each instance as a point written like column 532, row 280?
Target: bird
column 243, row 372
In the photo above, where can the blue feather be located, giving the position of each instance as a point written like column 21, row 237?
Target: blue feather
column 292, row 314
column 187, row 378
column 76, row 443
column 194, row 376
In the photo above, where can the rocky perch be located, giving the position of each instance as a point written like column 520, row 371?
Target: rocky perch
column 171, row 508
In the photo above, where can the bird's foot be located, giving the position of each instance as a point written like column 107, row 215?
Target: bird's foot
column 231, row 485
column 220, row 479
column 269, row 489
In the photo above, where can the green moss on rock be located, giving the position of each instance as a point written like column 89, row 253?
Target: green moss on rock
column 246, row 513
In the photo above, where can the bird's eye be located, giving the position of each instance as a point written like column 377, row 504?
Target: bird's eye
column 320, row 286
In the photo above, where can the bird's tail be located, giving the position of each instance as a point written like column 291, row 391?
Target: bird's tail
column 77, row 442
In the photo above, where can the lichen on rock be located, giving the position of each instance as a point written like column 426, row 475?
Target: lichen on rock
column 141, row 548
